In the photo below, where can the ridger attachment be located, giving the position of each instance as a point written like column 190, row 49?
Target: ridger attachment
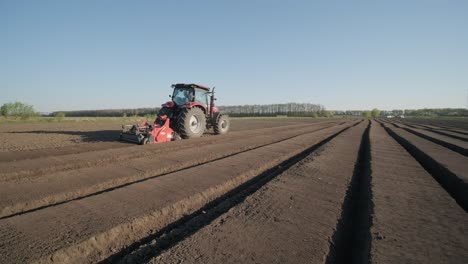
column 144, row 133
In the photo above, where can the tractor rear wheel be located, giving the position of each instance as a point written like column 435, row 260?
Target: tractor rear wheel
column 192, row 123
column 222, row 124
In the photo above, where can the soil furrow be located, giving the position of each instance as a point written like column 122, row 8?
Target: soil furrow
column 53, row 163
column 443, row 128
column 291, row 219
column 453, row 144
column 414, row 220
column 450, row 169
column 351, row 240
column 93, row 228
column 437, row 131
column 174, row 233
column 460, row 124
column 26, row 141
column 64, row 187
column 30, row 169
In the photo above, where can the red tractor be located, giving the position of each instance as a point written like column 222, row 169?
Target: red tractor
column 190, row 112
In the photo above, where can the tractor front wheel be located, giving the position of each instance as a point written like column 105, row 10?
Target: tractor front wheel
column 222, row 125
column 192, row 123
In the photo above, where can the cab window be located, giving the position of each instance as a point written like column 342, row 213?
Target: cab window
column 201, row 96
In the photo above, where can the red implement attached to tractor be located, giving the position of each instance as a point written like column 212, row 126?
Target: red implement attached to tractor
column 144, row 133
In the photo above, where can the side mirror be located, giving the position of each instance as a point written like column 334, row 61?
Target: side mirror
column 170, row 96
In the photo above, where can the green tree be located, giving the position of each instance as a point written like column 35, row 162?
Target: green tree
column 367, row 114
column 59, row 116
column 18, row 109
column 375, row 113
column 5, row 109
column 325, row 113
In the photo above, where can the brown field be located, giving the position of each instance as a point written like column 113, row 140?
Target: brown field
column 271, row 191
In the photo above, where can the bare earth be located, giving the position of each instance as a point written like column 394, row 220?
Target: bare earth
column 271, row 191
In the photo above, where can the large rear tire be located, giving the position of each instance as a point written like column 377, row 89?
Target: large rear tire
column 222, row 124
column 192, row 123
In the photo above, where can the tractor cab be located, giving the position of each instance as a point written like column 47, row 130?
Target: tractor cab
column 190, row 93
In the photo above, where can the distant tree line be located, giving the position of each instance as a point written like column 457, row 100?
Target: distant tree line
column 110, row 112
column 441, row 112
column 351, row 113
column 427, row 112
column 25, row 111
column 289, row 109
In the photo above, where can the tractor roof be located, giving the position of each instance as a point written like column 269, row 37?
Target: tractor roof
column 193, row 85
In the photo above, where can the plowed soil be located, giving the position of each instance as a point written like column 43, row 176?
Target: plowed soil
column 270, row 191
column 457, row 124
column 289, row 220
column 415, row 220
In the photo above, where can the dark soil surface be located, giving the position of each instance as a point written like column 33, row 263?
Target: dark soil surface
column 449, row 159
column 63, row 138
column 291, row 219
column 453, row 143
column 270, row 191
column 415, row 220
column 85, row 227
column 450, row 132
column 456, row 123
column 55, row 179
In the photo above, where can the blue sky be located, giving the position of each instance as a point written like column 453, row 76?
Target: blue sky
column 69, row 55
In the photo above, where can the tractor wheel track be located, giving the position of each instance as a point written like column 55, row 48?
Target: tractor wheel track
column 91, row 247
